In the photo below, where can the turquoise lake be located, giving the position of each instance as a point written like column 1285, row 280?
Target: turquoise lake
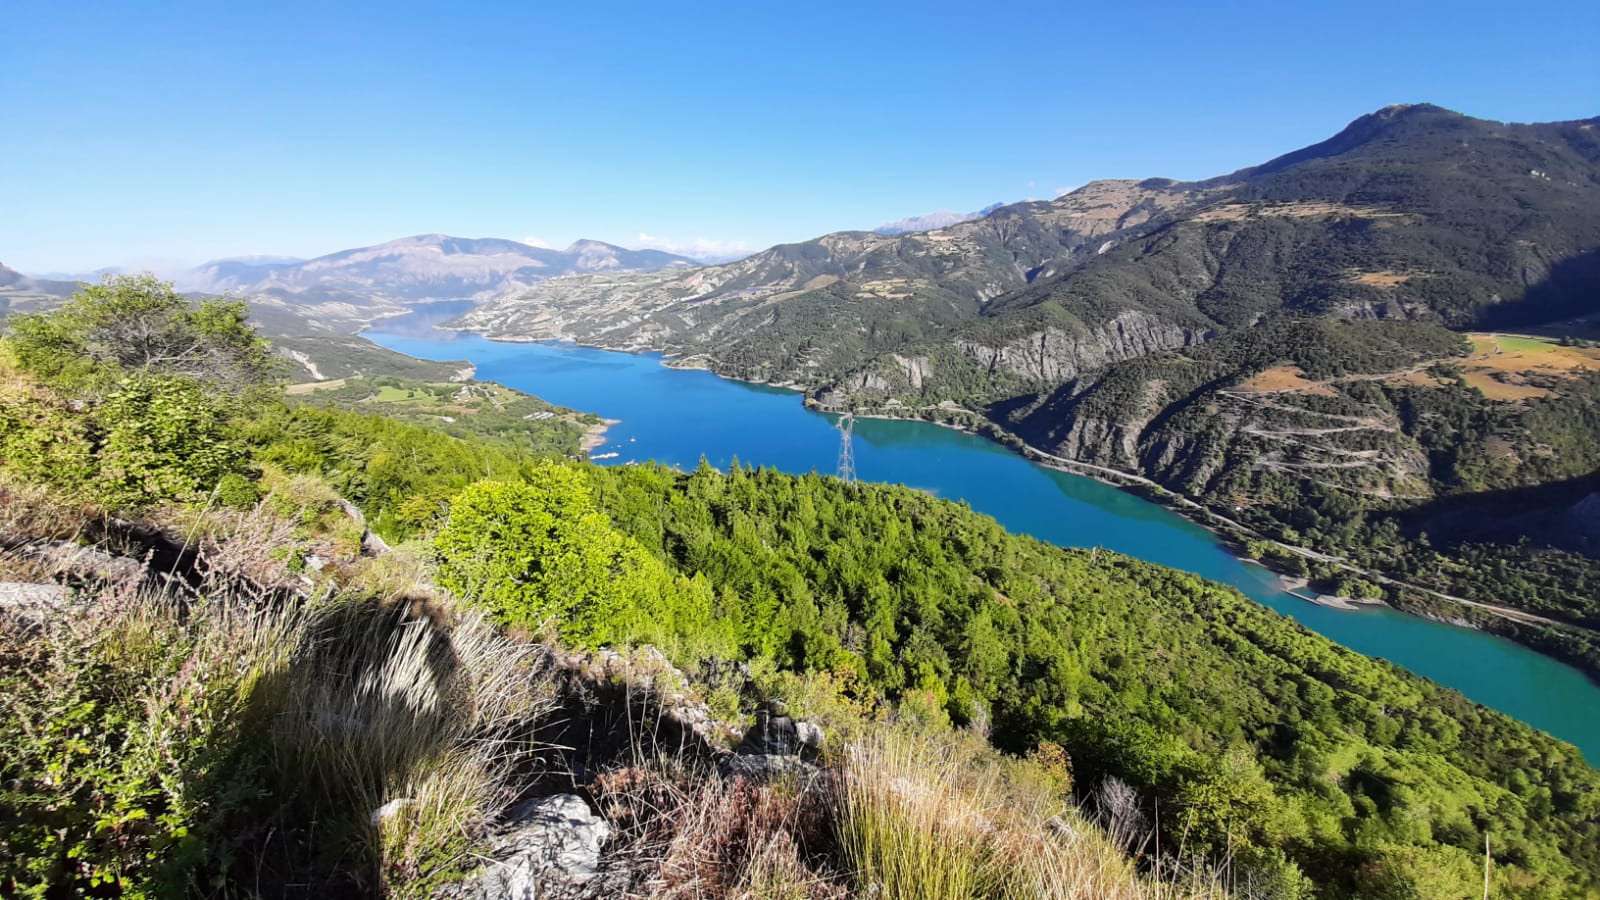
column 677, row 416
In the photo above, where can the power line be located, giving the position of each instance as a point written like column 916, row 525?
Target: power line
column 847, row 452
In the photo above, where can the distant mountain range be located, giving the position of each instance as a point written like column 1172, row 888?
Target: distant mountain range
column 943, row 218
column 343, row 291
column 90, row 277
column 13, row 281
column 421, row 268
column 21, row 293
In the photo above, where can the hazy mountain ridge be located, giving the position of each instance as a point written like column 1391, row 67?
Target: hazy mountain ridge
column 344, row 292
column 423, row 267
column 20, row 293
column 942, row 218
column 15, row 282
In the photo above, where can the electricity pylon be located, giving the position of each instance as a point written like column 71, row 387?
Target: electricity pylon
column 847, row 452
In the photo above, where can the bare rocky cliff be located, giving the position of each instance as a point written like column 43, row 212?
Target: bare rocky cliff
column 1056, row 355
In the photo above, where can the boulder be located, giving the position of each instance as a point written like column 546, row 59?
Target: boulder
column 776, row 746
column 549, row 848
column 768, row 767
column 31, row 600
column 810, row 738
column 70, row 559
column 775, row 733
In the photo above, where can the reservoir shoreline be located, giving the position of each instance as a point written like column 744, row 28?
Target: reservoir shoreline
column 1229, row 533
column 678, row 415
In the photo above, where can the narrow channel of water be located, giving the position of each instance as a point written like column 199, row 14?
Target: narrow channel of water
column 677, row 416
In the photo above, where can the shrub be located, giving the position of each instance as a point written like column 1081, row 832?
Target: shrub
column 539, row 554
column 122, row 740
column 139, row 324
column 235, row 491
column 166, row 439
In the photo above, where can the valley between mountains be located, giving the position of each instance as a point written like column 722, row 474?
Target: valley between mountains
column 335, row 636
column 1378, row 346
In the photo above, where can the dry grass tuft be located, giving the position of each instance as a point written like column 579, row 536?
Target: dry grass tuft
column 685, row 833
column 922, row 817
column 383, row 710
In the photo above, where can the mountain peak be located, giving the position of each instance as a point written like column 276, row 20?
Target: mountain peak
column 1401, row 109
column 582, row 245
column 418, row 240
column 942, row 218
column 1390, row 122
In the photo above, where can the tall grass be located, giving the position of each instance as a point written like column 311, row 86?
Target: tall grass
column 686, row 834
column 229, row 733
column 921, row 816
column 379, row 711
column 907, row 826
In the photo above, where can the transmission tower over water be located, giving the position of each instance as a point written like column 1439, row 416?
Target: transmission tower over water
column 847, row 452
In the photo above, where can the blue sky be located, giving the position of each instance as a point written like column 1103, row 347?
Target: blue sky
column 159, row 133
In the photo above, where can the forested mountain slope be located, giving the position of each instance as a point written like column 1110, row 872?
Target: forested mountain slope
column 1464, row 464
column 1412, row 212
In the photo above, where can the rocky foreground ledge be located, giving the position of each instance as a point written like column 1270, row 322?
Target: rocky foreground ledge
column 555, row 845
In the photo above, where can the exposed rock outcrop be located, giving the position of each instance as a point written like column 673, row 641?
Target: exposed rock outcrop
column 776, row 746
column 1056, row 355
column 548, row 847
column 31, row 602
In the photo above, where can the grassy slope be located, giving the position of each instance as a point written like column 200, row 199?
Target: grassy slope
column 349, row 357
column 491, row 413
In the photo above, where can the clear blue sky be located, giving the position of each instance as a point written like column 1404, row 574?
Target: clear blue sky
column 139, row 132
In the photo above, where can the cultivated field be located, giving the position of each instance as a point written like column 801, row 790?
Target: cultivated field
column 1505, row 367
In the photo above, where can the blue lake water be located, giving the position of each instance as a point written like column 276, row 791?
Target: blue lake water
column 677, row 416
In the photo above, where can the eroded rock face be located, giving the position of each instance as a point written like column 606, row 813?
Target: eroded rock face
column 1056, row 355
column 549, row 848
